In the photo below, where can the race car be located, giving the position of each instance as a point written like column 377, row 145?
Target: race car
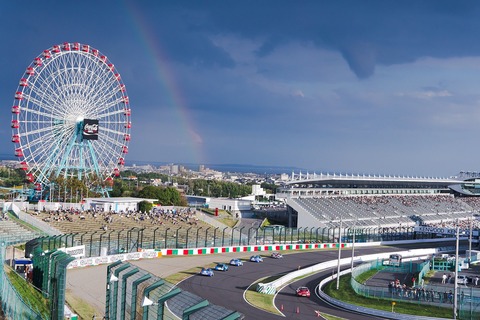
column 221, row 267
column 236, row 262
column 207, row 272
column 303, row 292
column 256, row 259
column 276, row 255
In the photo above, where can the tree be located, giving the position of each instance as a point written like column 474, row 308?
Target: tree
column 150, row 192
column 145, row 206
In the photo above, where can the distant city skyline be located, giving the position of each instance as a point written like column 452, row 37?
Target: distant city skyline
column 386, row 87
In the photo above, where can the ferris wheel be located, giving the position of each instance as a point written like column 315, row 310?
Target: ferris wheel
column 71, row 116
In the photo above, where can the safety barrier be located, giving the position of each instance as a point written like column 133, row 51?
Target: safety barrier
column 266, row 288
column 355, row 308
column 468, row 297
column 345, row 261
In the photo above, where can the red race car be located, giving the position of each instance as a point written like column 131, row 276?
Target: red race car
column 303, row 292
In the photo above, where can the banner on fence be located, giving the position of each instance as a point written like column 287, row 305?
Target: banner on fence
column 76, row 252
column 95, row 261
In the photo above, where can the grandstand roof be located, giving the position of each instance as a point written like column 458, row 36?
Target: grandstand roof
column 466, row 183
column 372, row 180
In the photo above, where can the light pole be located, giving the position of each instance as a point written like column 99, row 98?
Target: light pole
column 455, row 300
column 470, row 240
column 353, row 244
column 339, row 252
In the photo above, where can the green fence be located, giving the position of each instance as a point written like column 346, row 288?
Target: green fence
column 468, row 298
column 14, row 305
column 122, row 241
column 134, row 293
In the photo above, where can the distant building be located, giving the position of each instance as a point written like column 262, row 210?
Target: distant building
column 174, row 169
column 257, row 190
column 232, row 205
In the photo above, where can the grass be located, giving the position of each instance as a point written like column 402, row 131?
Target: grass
column 330, row 317
column 362, row 278
column 348, row 295
column 228, row 221
column 428, row 276
column 80, row 307
column 260, row 300
column 28, row 293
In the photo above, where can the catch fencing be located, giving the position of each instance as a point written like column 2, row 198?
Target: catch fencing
column 15, row 306
column 442, row 296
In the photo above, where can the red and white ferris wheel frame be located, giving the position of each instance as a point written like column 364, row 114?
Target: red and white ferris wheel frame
column 66, row 91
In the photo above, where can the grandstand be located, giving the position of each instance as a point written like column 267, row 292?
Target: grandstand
column 328, row 200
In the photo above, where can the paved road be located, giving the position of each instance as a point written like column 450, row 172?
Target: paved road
column 226, row 288
column 89, row 283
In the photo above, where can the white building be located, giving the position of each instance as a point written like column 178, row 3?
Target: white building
column 257, row 190
column 232, row 205
column 115, row 204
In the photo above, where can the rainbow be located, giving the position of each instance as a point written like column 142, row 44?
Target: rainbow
column 166, row 78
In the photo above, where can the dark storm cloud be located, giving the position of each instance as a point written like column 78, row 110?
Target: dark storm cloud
column 366, row 33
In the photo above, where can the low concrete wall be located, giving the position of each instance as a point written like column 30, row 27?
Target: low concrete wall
column 345, row 261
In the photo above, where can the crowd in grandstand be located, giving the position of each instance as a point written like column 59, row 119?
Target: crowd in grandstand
column 388, row 210
column 157, row 216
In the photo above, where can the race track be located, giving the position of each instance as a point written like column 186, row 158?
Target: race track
column 227, row 288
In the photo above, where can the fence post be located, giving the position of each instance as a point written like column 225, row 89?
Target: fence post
column 215, row 236
column 223, row 236
column 206, row 236
column 240, row 236
column 176, row 237
column 231, row 240
column 166, row 235
column 186, row 237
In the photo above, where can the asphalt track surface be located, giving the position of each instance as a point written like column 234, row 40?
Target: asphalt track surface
column 227, row 288
column 88, row 284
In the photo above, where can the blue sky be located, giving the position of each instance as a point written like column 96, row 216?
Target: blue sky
column 387, row 87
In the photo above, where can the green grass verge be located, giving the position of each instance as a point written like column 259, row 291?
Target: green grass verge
column 428, row 276
column 28, row 293
column 80, row 307
column 363, row 277
column 348, row 295
column 330, row 317
column 260, row 300
column 228, row 221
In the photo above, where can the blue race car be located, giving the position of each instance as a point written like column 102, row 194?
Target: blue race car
column 207, row 272
column 256, row 259
column 236, row 262
column 221, row 267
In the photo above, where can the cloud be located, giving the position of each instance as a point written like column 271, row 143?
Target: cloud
column 427, row 94
column 298, row 93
